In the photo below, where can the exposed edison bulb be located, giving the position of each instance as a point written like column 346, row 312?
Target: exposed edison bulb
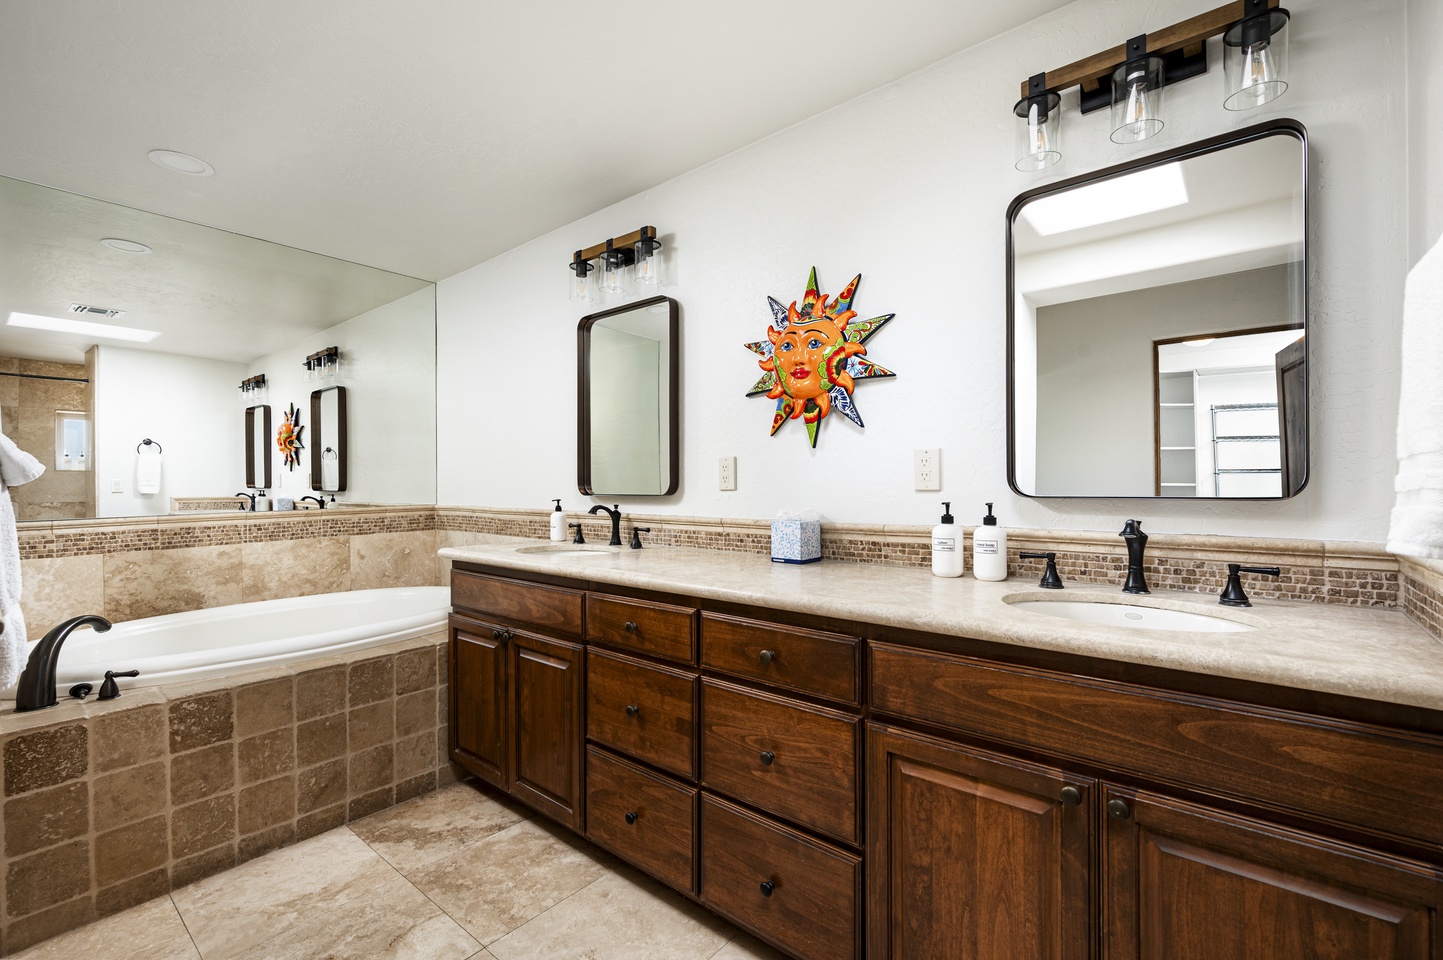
column 646, row 271
column 611, row 277
column 1137, row 101
column 581, row 287
column 1255, row 60
column 1041, row 135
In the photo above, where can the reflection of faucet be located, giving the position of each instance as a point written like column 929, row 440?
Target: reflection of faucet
column 319, row 501
column 251, row 497
column 614, row 512
column 36, row 688
column 1136, row 543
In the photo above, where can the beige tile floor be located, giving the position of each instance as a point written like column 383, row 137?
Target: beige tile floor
column 451, row 875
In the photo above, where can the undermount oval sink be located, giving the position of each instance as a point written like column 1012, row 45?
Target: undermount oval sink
column 569, row 550
column 1113, row 614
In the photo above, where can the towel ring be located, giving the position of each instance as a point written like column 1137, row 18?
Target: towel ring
column 147, row 442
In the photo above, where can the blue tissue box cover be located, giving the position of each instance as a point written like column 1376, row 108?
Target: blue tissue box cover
column 796, row 541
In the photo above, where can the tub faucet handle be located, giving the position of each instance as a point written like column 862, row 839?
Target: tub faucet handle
column 109, row 690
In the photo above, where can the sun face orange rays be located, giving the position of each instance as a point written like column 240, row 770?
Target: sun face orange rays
column 813, row 357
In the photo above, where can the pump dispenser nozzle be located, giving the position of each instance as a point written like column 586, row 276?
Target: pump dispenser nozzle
column 989, row 520
column 947, row 511
column 557, row 501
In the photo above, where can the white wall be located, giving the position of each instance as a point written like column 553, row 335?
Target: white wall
column 1425, row 124
column 187, row 405
column 909, row 186
column 387, row 368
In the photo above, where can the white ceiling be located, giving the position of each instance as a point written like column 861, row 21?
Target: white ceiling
column 424, row 138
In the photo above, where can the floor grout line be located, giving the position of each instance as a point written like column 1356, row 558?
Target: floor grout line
column 185, row 926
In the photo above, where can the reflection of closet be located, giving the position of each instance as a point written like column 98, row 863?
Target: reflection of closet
column 1247, row 455
column 1176, row 435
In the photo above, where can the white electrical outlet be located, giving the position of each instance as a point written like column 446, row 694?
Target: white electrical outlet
column 116, row 487
column 727, row 473
column 927, row 469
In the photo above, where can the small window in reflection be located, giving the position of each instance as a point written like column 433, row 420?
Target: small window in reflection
column 72, row 440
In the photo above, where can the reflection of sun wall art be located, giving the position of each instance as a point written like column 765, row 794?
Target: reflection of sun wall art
column 813, row 357
column 288, row 437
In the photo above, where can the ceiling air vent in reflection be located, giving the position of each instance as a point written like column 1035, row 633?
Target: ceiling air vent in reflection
column 84, row 309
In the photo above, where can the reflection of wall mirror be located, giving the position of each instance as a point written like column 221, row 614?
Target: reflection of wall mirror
column 258, row 446
column 627, row 431
column 328, row 440
column 1156, row 321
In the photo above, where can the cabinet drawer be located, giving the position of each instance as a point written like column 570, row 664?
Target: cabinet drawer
column 646, row 711
column 1386, row 781
column 655, row 628
column 642, row 817
column 802, row 894
column 807, row 661
column 550, row 607
column 792, row 759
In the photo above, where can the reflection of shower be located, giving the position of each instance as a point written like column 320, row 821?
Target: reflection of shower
column 330, row 469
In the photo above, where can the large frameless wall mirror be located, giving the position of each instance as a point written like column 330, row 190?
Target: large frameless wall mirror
column 627, row 400
column 328, row 442
column 258, row 446
column 1157, row 315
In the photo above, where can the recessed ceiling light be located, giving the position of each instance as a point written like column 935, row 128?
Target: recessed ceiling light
column 179, row 162
column 103, row 331
column 1106, row 201
column 125, row 246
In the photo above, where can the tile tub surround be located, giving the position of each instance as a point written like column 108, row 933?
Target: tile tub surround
column 411, row 881
column 107, row 805
column 134, row 567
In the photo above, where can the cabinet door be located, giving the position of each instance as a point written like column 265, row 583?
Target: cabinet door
column 1185, row 882
column 546, row 716
column 480, row 734
column 972, row 854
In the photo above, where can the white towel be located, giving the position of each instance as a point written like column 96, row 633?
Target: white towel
column 147, row 470
column 16, row 467
column 1417, row 525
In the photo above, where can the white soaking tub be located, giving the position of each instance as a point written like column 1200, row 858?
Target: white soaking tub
column 247, row 636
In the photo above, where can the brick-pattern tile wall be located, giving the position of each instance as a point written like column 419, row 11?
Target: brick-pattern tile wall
column 1423, row 597
column 113, row 808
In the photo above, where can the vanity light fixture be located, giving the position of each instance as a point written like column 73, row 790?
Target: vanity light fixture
column 1130, row 78
column 177, row 162
column 324, row 364
column 635, row 252
column 253, row 390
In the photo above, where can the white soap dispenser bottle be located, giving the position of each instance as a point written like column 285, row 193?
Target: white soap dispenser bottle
column 947, row 545
column 558, row 523
column 989, row 549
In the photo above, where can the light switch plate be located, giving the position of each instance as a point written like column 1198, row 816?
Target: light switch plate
column 927, row 469
column 116, row 487
column 727, row 473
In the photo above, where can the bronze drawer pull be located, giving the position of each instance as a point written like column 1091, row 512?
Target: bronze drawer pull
column 630, row 819
column 767, row 888
column 1118, row 808
column 1071, row 796
column 632, row 709
column 768, row 656
column 767, row 758
column 630, row 626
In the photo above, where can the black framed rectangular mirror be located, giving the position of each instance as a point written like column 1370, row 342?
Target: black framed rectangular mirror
column 328, row 440
column 626, row 420
column 258, row 447
column 1156, row 325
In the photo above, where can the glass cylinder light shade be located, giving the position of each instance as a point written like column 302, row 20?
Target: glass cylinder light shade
column 612, row 272
column 1137, row 100
column 648, row 264
column 1041, row 131
column 1255, row 60
column 582, row 284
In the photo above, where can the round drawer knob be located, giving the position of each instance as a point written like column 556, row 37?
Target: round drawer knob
column 632, row 709
column 630, row 818
column 630, row 626
column 768, row 656
column 767, row 888
column 1118, row 808
column 497, row 634
column 1071, row 796
column 768, row 757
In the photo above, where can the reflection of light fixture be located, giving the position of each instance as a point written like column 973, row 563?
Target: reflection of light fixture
column 177, row 162
column 635, row 251
column 1137, row 95
column 1042, row 135
column 124, row 246
column 1255, row 56
column 324, row 364
column 1130, row 78
column 253, row 390
column 1118, row 198
column 1199, row 342
column 101, row 331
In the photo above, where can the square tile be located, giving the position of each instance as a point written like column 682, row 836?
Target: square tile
column 151, row 931
column 439, row 825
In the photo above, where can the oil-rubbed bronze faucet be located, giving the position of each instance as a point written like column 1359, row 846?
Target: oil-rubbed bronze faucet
column 614, row 512
column 36, row 688
column 1136, row 544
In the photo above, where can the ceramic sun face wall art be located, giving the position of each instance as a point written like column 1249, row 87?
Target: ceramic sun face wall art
column 813, row 357
column 288, row 437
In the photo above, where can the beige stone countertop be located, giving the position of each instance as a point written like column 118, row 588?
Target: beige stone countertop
column 1370, row 653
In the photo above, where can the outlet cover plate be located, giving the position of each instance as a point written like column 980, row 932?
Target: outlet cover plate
column 727, row 473
column 927, row 469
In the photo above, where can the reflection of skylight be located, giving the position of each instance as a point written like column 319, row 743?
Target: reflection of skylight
column 1118, row 198
column 102, row 331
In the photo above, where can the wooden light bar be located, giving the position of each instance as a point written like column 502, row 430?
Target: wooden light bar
column 624, row 242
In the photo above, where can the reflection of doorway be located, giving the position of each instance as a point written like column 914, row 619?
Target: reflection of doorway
column 1292, row 376
column 1217, row 423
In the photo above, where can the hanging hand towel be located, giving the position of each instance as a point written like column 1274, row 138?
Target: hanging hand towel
column 1417, row 525
column 16, row 467
column 147, row 470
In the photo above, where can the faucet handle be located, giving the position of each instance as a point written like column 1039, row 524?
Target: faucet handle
column 1233, row 595
column 636, row 533
column 578, row 538
column 1050, row 579
column 109, row 690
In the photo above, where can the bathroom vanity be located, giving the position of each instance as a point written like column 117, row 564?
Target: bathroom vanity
column 895, row 785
